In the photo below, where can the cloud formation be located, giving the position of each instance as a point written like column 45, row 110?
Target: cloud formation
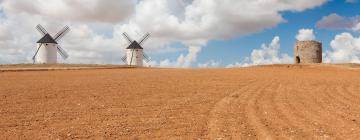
column 204, row 20
column 210, row 64
column 72, row 10
column 183, row 61
column 212, row 19
column 268, row 54
column 96, row 34
column 356, row 28
column 335, row 21
column 86, row 43
column 345, row 49
column 305, row 35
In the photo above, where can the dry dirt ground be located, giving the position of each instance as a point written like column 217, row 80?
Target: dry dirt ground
column 51, row 67
column 268, row 102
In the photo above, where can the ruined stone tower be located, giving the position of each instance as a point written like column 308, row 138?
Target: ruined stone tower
column 308, row 52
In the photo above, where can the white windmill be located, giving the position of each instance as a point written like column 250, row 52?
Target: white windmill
column 47, row 46
column 134, row 52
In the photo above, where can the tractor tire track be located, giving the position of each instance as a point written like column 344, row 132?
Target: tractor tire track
column 271, row 111
column 218, row 124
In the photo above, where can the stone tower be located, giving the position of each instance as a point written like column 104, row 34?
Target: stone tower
column 308, row 52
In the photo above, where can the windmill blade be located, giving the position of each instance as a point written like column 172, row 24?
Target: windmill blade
column 146, row 36
column 37, row 51
column 41, row 29
column 126, row 36
column 124, row 58
column 62, row 52
column 62, row 33
column 146, row 57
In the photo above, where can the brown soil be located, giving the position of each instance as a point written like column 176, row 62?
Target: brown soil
column 51, row 67
column 279, row 102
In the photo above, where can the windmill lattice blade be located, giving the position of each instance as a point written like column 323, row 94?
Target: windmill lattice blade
column 41, row 29
column 126, row 36
column 37, row 51
column 62, row 33
column 146, row 36
column 147, row 58
column 62, row 52
column 124, row 58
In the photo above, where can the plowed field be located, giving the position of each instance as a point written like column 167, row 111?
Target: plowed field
column 267, row 102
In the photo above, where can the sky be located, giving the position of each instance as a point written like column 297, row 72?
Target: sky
column 184, row 33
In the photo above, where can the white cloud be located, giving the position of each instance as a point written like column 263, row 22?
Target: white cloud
column 189, row 22
column 213, row 19
column 305, row 35
column 345, row 49
column 5, row 33
column 244, row 63
column 268, row 54
column 14, row 41
column 186, row 61
column 209, row 64
column 85, row 46
column 356, row 28
column 236, row 65
column 182, row 61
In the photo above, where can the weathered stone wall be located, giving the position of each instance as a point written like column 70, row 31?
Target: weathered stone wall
column 308, row 52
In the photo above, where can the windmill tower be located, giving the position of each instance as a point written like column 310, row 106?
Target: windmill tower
column 48, row 47
column 134, row 52
column 308, row 52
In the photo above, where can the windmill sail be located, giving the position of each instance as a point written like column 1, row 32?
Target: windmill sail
column 37, row 51
column 146, row 36
column 62, row 33
column 41, row 30
column 126, row 36
column 135, row 54
column 124, row 58
column 62, row 52
column 146, row 57
column 48, row 46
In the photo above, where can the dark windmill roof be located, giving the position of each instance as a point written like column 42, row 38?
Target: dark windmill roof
column 134, row 45
column 47, row 39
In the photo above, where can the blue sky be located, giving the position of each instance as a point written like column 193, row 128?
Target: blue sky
column 185, row 33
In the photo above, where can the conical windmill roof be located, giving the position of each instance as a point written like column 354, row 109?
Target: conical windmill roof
column 134, row 45
column 47, row 39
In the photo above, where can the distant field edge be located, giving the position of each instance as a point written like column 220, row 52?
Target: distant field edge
column 57, row 67
column 62, row 67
